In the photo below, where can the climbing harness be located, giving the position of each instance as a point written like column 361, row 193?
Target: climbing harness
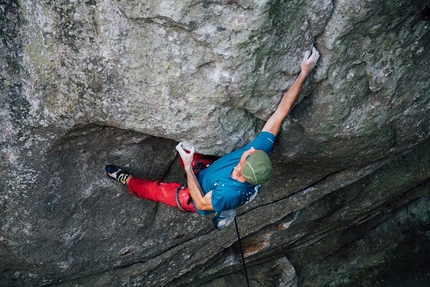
column 180, row 195
column 241, row 251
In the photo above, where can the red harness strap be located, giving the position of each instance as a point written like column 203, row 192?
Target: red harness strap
column 183, row 197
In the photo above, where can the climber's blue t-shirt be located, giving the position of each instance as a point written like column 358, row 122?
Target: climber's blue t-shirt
column 228, row 193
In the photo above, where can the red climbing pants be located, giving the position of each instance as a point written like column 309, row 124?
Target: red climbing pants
column 172, row 194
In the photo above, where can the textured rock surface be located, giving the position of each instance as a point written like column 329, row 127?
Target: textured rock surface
column 86, row 83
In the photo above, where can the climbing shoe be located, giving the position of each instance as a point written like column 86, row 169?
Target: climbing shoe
column 224, row 218
column 117, row 173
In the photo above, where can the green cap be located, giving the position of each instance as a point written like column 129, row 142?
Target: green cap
column 257, row 168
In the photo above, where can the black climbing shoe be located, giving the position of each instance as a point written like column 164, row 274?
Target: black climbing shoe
column 117, row 173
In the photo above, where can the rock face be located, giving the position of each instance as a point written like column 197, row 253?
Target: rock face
column 87, row 83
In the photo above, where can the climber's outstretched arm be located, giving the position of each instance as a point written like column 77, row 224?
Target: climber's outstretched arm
column 274, row 123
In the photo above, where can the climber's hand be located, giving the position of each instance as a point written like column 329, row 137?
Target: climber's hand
column 187, row 158
column 309, row 60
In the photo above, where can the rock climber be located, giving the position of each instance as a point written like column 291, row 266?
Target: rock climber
column 221, row 185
